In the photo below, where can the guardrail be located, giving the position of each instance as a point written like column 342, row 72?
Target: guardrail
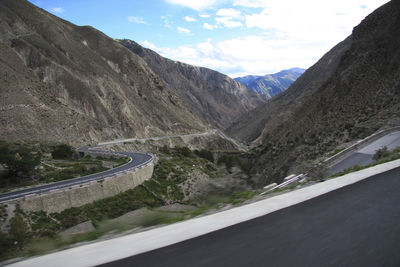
column 286, row 181
column 365, row 141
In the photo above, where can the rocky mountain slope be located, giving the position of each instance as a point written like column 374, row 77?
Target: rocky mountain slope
column 270, row 85
column 216, row 98
column 61, row 82
column 352, row 91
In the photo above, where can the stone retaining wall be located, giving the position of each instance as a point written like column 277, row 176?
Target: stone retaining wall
column 75, row 196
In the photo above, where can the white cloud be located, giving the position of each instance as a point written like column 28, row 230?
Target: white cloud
column 147, row 44
column 204, row 15
column 250, row 3
column 167, row 21
column 184, row 30
column 327, row 22
column 242, row 56
column 136, row 20
column 194, row 4
column 229, row 17
column 57, row 10
column 208, row 26
column 228, row 22
column 292, row 34
column 228, row 12
column 189, row 19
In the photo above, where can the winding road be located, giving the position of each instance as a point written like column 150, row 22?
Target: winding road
column 137, row 160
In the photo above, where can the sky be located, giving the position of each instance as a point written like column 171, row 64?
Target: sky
column 235, row 37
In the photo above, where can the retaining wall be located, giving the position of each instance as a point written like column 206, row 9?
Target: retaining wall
column 75, row 196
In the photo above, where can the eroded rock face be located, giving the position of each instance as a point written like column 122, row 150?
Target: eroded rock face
column 62, row 82
column 348, row 94
column 354, row 83
column 216, row 98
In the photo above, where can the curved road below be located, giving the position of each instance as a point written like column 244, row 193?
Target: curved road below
column 137, row 160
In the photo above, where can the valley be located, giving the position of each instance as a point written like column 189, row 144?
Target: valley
column 104, row 139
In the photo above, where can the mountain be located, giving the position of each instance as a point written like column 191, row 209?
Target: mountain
column 216, row 98
column 270, row 85
column 62, row 82
column 349, row 93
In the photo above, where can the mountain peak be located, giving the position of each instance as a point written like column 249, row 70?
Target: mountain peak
column 270, row 85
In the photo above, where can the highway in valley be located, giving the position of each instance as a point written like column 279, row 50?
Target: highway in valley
column 136, row 161
column 357, row 225
column 364, row 155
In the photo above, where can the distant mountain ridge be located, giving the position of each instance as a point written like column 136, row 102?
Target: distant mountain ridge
column 269, row 85
column 213, row 96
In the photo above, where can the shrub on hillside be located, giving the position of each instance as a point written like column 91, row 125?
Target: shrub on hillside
column 18, row 159
column 183, row 151
column 19, row 231
column 381, row 153
column 233, row 160
column 62, row 151
column 205, row 154
column 164, row 149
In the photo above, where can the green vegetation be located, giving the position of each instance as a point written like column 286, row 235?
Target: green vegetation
column 70, row 171
column 62, row 151
column 19, row 160
column 183, row 152
column 3, row 212
column 349, row 170
column 205, row 154
column 230, row 160
column 19, row 232
column 381, row 153
column 173, row 169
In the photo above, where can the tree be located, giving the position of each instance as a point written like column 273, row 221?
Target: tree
column 381, row 153
column 20, row 160
column 183, row 151
column 18, row 230
column 62, row 151
column 4, row 244
column 164, row 149
column 205, row 154
column 228, row 160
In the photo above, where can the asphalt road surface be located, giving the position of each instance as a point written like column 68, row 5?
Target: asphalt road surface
column 363, row 156
column 358, row 225
column 138, row 159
